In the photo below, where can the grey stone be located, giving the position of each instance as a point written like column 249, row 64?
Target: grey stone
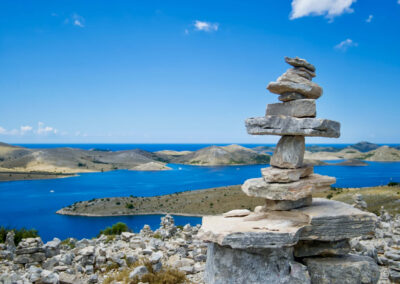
column 299, row 62
column 394, row 275
column 349, row 269
column 332, row 220
column 156, row 257
column 291, row 82
column 237, row 213
column 226, row 265
column 272, row 174
column 10, row 245
column 323, row 220
column 93, row 278
column 187, row 269
column 258, row 187
column 289, row 152
column 280, row 205
column 48, row 277
column 138, row 272
column 287, row 125
column 290, row 96
column 304, row 72
column 296, row 108
column 315, row 248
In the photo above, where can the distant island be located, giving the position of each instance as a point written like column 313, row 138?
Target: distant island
column 215, row 201
column 20, row 163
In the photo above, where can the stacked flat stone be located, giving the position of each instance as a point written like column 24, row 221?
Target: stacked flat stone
column 292, row 238
column 289, row 183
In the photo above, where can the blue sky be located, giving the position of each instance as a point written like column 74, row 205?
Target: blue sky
column 191, row 71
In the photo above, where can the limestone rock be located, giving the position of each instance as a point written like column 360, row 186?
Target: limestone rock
column 296, row 108
column 323, row 220
column 302, row 188
column 347, row 269
column 332, row 220
column 314, row 248
column 280, row 205
column 299, row 62
column 226, row 265
column 303, row 72
column 290, row 96
column 272, row 174
column 287, row 125
column 292, row 82
column 237, row 213
column 289, row 152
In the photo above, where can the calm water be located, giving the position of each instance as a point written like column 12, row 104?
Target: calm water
column 31, row 204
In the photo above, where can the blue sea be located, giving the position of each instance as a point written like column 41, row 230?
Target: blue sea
column 32, row 204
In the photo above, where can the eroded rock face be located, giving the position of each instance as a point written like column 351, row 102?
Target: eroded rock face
column 347, row 269
column 289, row 152
column 295, row 108
column 287, row 125
column 315, row 248
column 273, row 174
column 226, row 265
column 290, row 96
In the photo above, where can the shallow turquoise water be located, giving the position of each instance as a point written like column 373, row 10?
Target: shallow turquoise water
column 32, row 204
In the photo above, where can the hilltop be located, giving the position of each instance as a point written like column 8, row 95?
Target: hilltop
column 215, row 155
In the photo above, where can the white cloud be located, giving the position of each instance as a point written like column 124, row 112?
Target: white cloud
column 205, row 26
column 3, row 130
column 398, row 2
column 328, row 8
column 44, row 130
column 76, row 20
column 346, row 44
column 370, row 17
column 25, row 128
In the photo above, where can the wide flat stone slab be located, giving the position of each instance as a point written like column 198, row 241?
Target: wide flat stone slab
column 287, row 125
column 324, row 220
column 295, row 108
column 258, row 187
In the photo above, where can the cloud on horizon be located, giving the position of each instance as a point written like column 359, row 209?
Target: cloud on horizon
column 41, row 130
column 346, row 44
column 327, row 8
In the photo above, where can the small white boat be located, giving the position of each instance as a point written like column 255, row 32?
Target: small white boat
column 51, row 191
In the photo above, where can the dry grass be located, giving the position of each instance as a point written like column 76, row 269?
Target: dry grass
column 166, row 276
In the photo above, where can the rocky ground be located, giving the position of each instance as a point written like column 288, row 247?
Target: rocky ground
column 174, row 253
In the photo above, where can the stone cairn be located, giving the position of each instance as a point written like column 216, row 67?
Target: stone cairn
column 292, row 238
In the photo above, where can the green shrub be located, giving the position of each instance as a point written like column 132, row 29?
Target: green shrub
column 19, row 234
column 115, row 229
column 329, row 196
column 129, row 206
column 392, row 183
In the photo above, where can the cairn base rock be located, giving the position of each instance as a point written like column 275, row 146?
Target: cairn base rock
column 318, row 248
column 227, row 265
column 349, row 269
column 281, row 205
column 324, row 220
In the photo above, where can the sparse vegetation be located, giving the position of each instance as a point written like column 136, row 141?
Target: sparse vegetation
column 115, row 229
column 19, row 234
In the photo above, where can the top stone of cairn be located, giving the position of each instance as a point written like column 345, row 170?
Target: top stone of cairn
column 296, row 82
column 299, row 62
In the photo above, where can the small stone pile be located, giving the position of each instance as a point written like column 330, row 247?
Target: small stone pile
column 292, row 238
column 93, row 261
